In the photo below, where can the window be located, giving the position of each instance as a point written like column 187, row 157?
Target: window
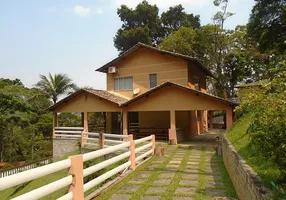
column 123, row 83
column 153, row 80
column 197, row 82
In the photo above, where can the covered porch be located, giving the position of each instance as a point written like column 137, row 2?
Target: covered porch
column 170, row 111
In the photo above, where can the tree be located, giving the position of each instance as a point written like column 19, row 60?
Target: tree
column 267, row 26
column 54, row 86
column 143, row 24
column 176, row 17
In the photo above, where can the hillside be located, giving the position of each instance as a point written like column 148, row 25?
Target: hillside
column 240, row 139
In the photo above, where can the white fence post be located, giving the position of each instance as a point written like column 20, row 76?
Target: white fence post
column 132, row 152
column 76, row 170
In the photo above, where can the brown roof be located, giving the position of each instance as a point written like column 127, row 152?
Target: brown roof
column 141, row 45
column 169, row 83
column 122, row 101
column 98, row 93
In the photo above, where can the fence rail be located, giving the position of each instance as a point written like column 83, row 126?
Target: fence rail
column 76, row 171
column 90, row 139
column 27, row 166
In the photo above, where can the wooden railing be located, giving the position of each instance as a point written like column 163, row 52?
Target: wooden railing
column 76, row 171
column 27, row 166
column 90, row 139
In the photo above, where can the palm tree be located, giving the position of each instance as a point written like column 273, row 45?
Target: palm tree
column 54, row 86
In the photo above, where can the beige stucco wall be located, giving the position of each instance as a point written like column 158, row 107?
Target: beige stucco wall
column 87, row 103
column 144, row 62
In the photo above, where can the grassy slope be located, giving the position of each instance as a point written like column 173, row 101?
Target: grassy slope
column 24, row 188
column 241, row 142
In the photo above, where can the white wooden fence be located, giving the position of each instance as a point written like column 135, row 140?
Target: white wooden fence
column 15, row 170
column 76, row 171
column 89, row 139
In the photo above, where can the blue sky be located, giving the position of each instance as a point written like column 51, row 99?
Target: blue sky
column 76, row 36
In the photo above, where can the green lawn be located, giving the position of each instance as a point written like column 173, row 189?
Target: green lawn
column 241, row 141
column 26, row 187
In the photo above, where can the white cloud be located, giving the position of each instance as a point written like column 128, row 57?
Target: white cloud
column 98, row 11
column 81, row 11
column 165, row 3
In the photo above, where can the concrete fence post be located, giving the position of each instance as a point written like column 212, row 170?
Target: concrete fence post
column 76, row 170
column 101, row 140
column 132, row 152
column 153, row 144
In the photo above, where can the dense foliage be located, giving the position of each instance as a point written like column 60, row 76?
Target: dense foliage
column 25, row 125
column 143, row 24
column 268, row 104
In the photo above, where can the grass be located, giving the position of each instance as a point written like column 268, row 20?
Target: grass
column 174, row 184
column 241, row 141
column 26, row 187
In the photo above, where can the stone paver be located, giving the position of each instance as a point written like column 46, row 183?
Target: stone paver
column 149, row 198
column 156, row 189
column 162, row 182
column 129, row 188
column 186, row 190
column 120, row 196
column 175, row 173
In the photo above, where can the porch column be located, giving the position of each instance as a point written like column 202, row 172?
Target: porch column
column 205, row 118
column 211, row 119
column 125, row 123
column 82, row 119
column 172, row 131
column 55, row 123
column 229, row 119
column 85, row 121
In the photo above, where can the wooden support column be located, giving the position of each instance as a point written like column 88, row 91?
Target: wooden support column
column 205, row 118
column 101, row 140
column 55, row 123
column 82, row 119
column 76, row 170
column 125, row 122
column 85, row 121
column 211, row 119
column 229, row 119
column 173, row 131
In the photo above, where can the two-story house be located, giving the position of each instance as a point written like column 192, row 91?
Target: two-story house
column 151, row 91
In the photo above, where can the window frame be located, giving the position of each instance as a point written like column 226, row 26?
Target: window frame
column 197, row 84
column 151, row 81
column 120, row 86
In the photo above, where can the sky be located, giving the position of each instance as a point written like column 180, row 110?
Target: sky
column 75, row 37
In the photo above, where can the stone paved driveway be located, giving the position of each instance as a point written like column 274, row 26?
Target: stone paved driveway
column 183, row 173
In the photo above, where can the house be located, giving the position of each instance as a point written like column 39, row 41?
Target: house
column 151, row 91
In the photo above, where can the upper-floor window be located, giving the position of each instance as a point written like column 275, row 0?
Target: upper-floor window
column 153, row 80
column 197, row 82
column 123, row 83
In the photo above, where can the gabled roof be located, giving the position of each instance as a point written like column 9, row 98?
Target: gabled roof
column 139, row 45
column 169, row 83
column 103, row 94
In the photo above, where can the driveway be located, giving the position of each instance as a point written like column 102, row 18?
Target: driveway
column 185, row 172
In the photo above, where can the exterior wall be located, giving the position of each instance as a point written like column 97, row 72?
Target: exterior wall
column 173, row 98
column 62, row 147
column 194, row 71
column 87, row 103
column 246, row 182
column 144, row 62
column 154, row 119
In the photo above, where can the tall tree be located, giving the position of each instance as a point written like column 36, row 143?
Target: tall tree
column 54, row 86
column 267, row 25
column 176, row 17
column 143, row 24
